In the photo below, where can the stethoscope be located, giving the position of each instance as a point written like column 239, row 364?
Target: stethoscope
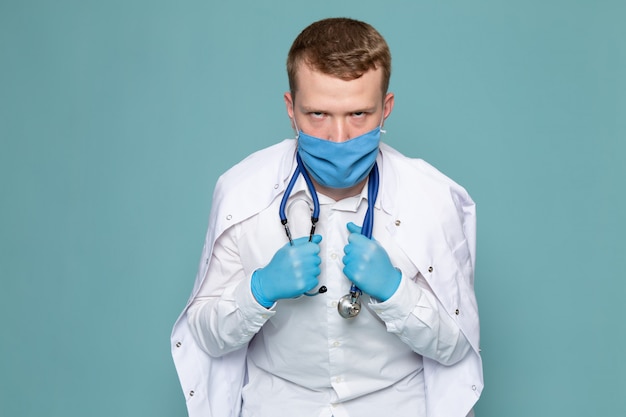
column 349, row 305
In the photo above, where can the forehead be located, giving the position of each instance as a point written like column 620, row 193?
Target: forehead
column 323, row 91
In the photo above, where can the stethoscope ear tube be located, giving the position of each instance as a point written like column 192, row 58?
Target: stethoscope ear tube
column 300, row 170
column 372, row 194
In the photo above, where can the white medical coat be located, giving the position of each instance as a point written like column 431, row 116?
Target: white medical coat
column 435, row 226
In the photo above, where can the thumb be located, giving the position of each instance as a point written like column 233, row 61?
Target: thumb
column 353, row 228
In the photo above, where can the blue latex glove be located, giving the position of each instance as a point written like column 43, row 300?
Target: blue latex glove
column 368, row 266
column 292, row 271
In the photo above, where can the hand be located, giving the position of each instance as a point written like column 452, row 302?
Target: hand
column 292, row 271
column 368, row 266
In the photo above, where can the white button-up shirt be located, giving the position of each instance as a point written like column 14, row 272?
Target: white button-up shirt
column 303, row 358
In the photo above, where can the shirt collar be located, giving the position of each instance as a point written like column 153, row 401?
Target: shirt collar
column 347, row 204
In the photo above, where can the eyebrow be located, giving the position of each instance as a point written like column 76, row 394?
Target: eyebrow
column 307, row 109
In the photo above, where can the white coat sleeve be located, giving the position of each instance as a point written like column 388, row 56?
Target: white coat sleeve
column 415, row 315
column 224, row 316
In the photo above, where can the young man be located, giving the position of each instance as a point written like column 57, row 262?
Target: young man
column 372, row 311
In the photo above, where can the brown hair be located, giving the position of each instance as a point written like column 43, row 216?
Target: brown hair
column 341, row 47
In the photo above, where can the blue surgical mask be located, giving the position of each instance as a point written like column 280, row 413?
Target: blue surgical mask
column 339, row 164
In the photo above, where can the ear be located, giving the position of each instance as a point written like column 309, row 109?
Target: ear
column 388, row 105
column 289, row 106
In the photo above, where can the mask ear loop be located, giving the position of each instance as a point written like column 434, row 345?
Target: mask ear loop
column 382, row 120
column 295, row 124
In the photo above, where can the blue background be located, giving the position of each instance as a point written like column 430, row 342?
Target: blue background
column 116, row 118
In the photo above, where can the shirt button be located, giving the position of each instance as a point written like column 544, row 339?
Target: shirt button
column 430, row 269
column 336, row 344
column 191, row 393
column 397, row 222
column 333, row 256
column 178, row 344
column 229, row 217
column 456, row 311
column 334, row 304
column 474, row 387
column 275, row 186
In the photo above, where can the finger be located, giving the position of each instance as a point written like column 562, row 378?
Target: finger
column 316, row 238
column 357, row 239
column 352, row 248
column 353, row 228
column 312, row 285
column 310, row 277
column 314, row 262
column 305, row 239
column 351, row 273
column 301, row 241
column 347, row 248
column 356, row 243
column 353, row 262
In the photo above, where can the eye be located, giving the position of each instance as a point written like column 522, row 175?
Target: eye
column 316, row 114
column 358, row 114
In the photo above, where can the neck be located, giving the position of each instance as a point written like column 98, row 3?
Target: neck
column 339, row 193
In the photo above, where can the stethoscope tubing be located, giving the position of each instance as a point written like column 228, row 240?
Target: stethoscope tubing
column 316, row 204
column 368, row 220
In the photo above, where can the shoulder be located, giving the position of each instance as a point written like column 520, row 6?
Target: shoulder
column 262, row 164
column 252, row 184
column 415, row 174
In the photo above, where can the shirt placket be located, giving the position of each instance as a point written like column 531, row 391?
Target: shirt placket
column 336, row 234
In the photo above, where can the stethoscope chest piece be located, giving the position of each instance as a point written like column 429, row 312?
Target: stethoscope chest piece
column 349, row 305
